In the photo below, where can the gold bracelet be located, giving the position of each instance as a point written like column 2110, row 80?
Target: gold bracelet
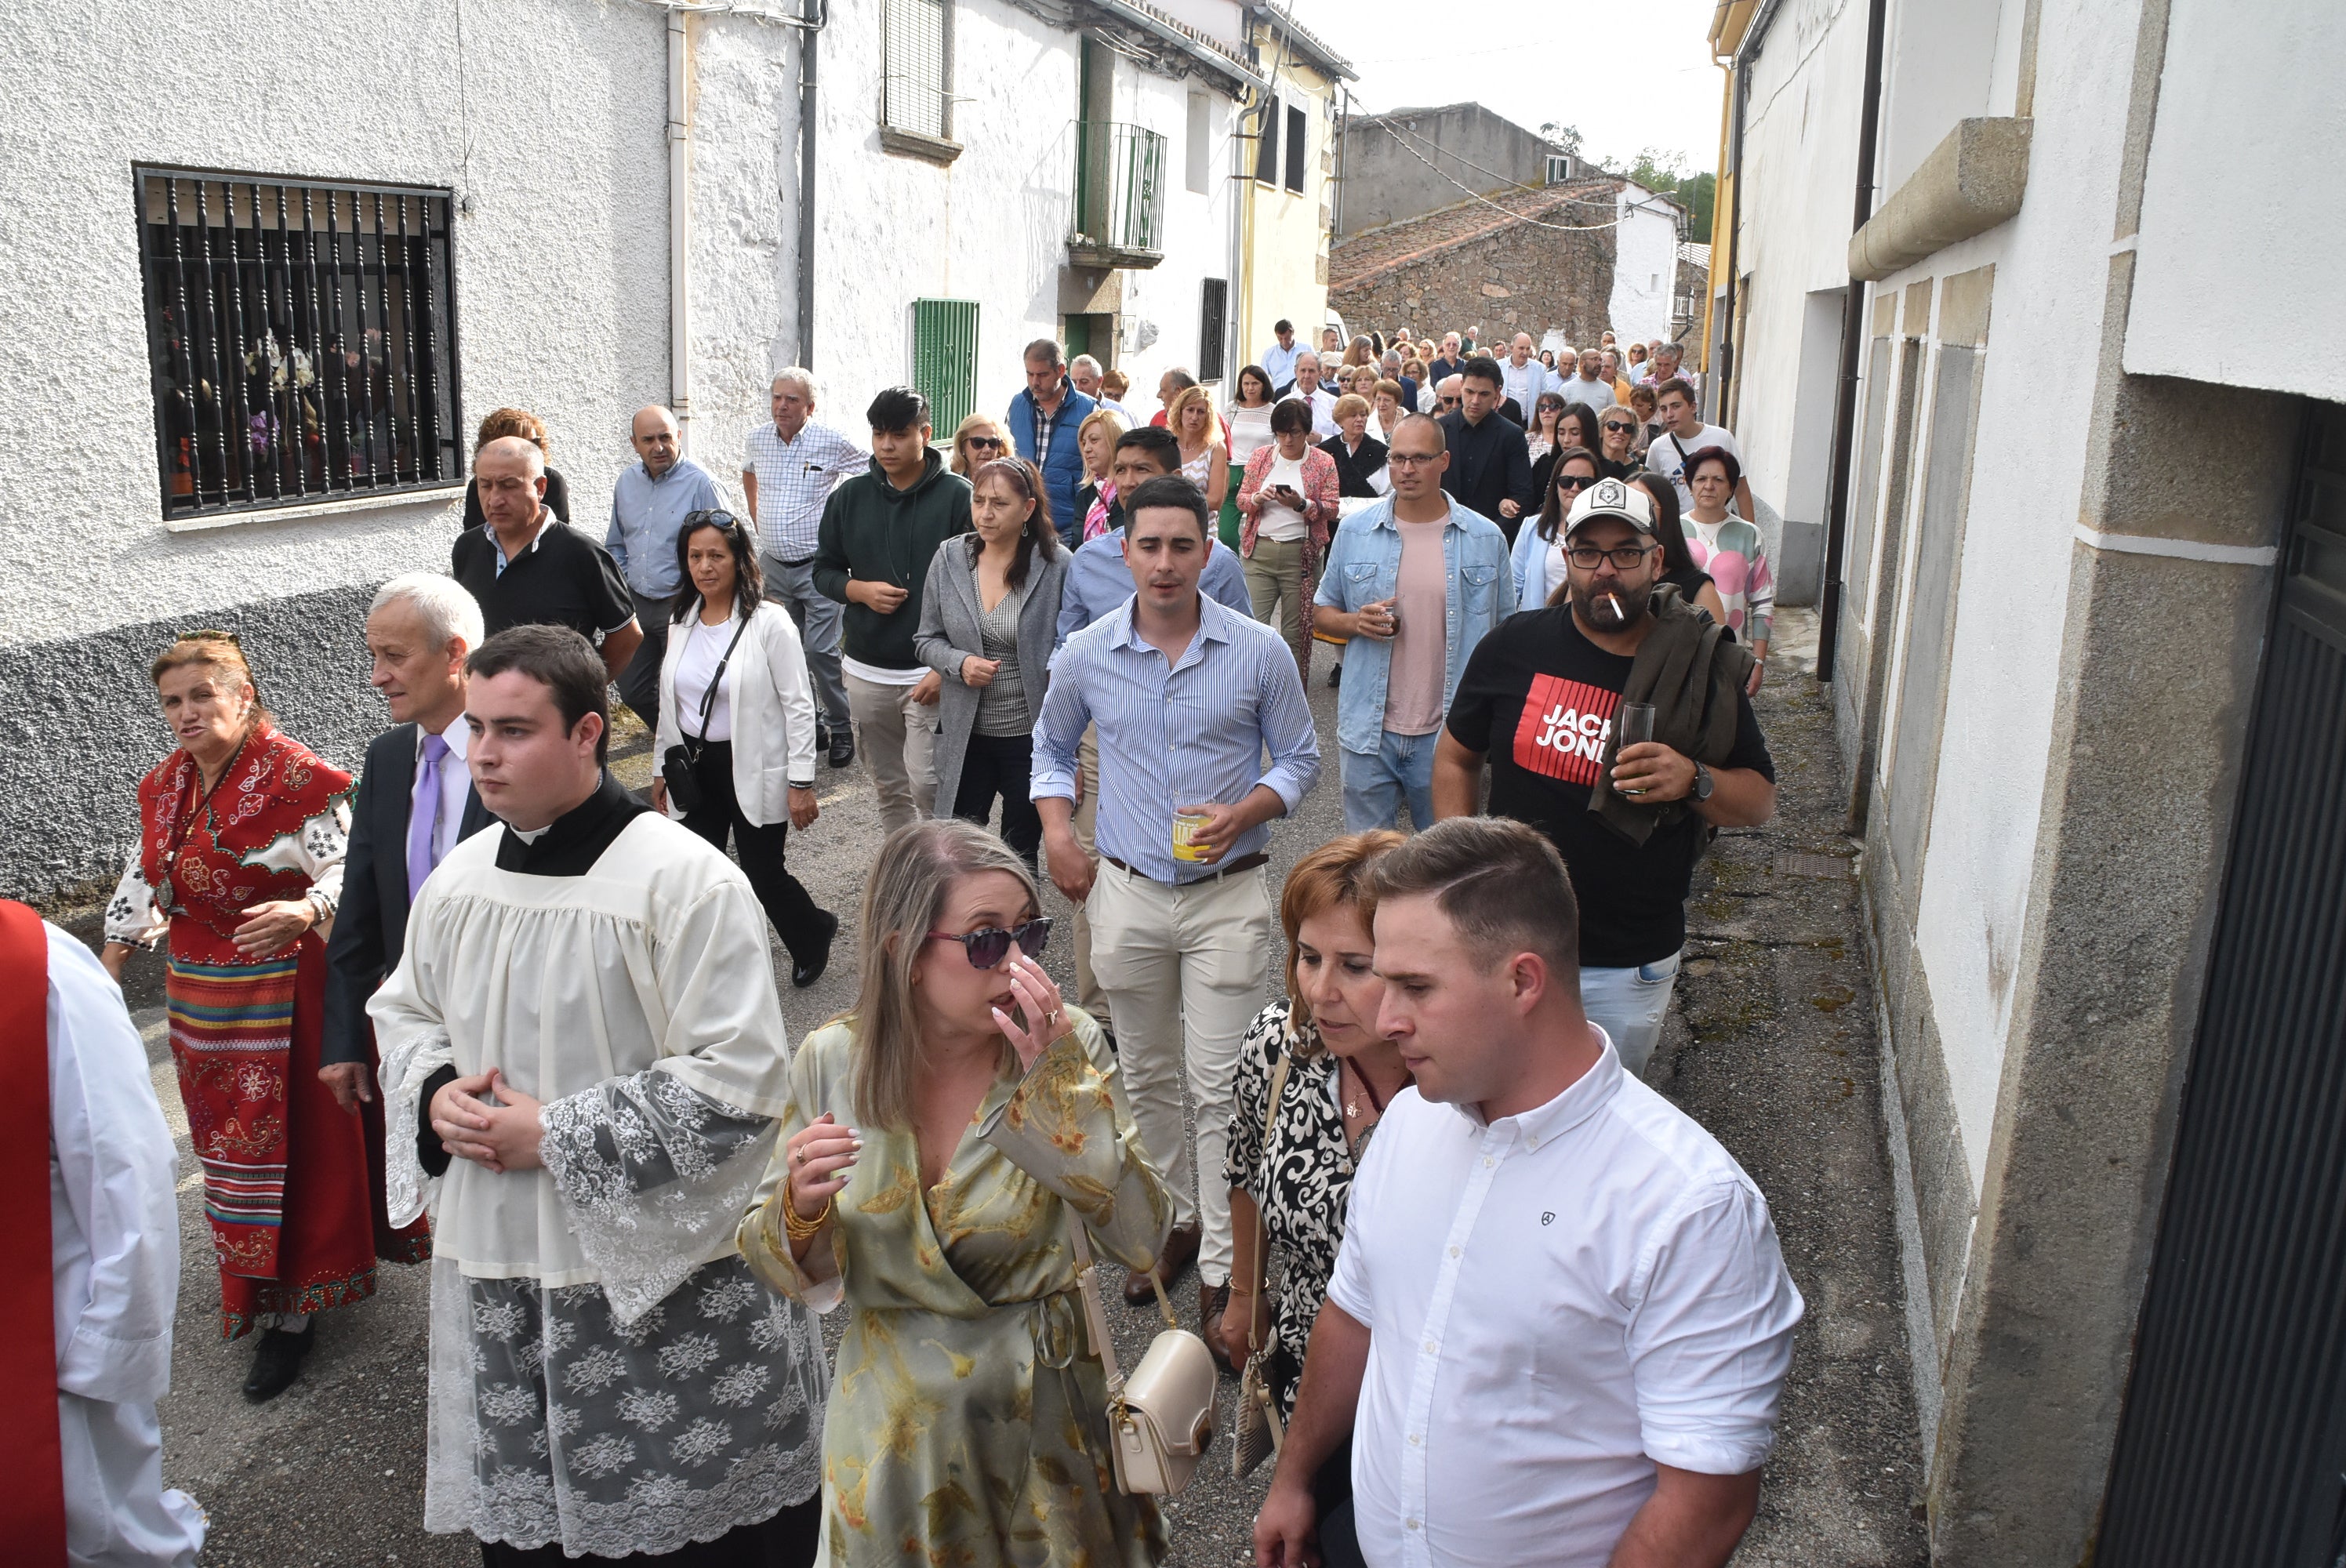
column 801, row 1229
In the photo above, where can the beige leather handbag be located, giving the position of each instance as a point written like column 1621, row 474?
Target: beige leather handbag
column 1161, row 1418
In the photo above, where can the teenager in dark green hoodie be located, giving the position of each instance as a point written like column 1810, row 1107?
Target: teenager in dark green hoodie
column 879, row 530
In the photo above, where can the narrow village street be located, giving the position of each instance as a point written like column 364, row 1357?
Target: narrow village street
column 1772, row 1045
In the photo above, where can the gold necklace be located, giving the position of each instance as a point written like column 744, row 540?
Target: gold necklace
column 1352, row 1106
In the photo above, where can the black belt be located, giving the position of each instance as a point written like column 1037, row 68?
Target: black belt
column 1243, row 864
column 802, row 561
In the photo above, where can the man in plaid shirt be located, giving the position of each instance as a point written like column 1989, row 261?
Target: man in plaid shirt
column 789, row 469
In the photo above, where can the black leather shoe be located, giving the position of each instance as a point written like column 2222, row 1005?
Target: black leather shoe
column 805, row 973
column 842, row 746
column 277, row 1363
column 1335, row 676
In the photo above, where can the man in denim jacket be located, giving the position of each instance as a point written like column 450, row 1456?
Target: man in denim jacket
column 1415, row 581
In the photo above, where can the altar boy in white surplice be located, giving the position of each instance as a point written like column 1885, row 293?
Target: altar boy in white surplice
column 583, row 1045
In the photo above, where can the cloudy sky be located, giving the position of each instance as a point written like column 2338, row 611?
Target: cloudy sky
column 1630, row 74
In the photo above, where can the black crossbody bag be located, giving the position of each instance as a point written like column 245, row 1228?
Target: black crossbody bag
column 679, row 767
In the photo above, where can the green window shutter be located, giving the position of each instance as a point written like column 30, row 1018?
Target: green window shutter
column 944, row 359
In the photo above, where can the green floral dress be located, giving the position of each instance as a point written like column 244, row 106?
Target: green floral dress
column 967, row 1422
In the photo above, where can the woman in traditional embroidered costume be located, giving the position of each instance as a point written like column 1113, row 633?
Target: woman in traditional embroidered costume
column 242, row 831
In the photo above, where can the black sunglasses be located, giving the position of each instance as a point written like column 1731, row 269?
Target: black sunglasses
column 989, row 947
column 709, row 519
column 1572, row 482
column 1615, row 426
column 994, row 443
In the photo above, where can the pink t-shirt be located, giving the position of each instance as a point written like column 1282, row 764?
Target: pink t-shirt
column 1421, row 644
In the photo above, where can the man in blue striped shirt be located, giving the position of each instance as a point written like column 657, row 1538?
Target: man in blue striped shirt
column 1186, row 694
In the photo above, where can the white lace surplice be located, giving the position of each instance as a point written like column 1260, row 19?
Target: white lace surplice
column 606, row 1372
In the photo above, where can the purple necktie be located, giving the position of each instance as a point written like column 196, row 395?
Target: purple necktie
column 424, row 820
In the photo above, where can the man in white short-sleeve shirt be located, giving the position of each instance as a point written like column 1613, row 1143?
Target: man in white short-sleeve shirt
column 1684, row 434
column 1559, row 1315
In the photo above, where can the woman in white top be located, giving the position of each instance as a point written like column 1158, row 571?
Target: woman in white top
column 1204, row 461
column 1250, row 422
column 737, row 713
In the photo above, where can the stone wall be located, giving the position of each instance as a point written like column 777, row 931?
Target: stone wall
column 1513, row 277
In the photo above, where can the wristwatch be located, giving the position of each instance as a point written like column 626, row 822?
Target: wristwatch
column 1700, row 789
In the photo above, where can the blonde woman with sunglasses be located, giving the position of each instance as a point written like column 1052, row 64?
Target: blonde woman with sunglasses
column 940, row 1140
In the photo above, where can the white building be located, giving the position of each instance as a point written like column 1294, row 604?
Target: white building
column 1645, row 263
column 576, row 206
column 2088, row 637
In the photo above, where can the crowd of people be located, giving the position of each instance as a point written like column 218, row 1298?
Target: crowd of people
column 480, row 1004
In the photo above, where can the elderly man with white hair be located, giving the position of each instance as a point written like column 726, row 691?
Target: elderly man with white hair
column 528, row 567
column 416, row 801
column 1086, row 373
column 789, row 469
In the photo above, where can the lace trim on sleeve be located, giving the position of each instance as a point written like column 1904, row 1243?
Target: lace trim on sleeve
column 656, row 1175
column 407, row 1064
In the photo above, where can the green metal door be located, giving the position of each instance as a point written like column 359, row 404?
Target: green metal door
column 944, row 359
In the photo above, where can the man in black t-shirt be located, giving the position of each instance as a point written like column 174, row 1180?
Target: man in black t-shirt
column 1537, row 699
column 526, row 568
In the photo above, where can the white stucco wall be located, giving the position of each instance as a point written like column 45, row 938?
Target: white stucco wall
column 1645, row 266
column 2262, row 308
column 1197, row 233
column 2051, row 273
column 560, row 270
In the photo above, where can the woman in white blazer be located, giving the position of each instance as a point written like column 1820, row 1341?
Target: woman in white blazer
column 737, row 717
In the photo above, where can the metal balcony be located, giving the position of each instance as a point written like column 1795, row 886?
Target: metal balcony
column 1119, row 216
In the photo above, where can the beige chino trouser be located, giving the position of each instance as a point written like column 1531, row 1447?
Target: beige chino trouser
column 898, row 739
column 1184, row 969
column 1089, row 994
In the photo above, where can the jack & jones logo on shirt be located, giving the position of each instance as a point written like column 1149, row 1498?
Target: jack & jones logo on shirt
column 1564, row 728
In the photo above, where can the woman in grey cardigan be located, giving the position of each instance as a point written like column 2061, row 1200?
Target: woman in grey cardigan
column 988, row 617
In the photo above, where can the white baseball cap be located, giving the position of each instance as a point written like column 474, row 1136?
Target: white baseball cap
column 1613, row 498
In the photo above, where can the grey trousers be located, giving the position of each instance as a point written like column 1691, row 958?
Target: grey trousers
column 818, row 620
column 639, row 682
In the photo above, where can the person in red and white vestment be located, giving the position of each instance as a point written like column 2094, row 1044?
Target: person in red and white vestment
column 74, row 1095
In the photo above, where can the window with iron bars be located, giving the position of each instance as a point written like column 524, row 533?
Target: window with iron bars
column 302, row 337
column 917, row 46
column 1213, row 328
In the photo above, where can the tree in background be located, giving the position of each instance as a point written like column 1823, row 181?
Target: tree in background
column 1666, row 173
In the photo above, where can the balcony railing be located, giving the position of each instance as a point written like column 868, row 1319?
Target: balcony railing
column 1119, row 217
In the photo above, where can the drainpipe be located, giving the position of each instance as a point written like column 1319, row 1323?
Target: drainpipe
column 679, row 228
column 810, row 39
column 1853, row 339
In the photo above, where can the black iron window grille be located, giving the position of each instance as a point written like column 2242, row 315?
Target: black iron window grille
column 302, row 338
column 1213, row 328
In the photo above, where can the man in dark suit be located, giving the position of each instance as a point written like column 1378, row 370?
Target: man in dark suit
column 1490, row 466
column 416, row 801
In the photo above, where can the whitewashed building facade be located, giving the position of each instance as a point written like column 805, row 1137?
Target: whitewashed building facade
column 2086, row 637
column 255, row 310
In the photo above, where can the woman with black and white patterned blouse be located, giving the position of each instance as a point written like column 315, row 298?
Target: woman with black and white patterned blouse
column 1342, row 1077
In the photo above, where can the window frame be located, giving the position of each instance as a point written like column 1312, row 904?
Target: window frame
column 302, row 296
column 1298, row 149
column 1213, row 328
column 942, row 135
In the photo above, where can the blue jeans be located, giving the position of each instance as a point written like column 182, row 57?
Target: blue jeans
column 1629, row 1004
column 1376, row 785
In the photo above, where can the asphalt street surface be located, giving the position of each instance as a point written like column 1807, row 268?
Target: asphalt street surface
column 1771, row 1046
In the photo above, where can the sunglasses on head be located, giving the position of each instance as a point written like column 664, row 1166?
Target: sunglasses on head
column 987, row 948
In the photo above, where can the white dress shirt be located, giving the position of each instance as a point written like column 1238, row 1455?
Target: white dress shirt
column 455, row 788
column 1556, row 1301
column 1524, row 383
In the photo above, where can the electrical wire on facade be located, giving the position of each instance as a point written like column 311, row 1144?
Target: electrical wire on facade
column 1613, row 222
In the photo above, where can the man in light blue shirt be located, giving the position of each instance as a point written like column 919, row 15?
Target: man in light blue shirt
column 649, row 502
column 1414, row 581
column 1279, row 360
column 1186, row 694
column 1098, row 582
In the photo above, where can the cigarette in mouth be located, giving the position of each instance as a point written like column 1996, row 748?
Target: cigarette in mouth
column 1616, row 603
